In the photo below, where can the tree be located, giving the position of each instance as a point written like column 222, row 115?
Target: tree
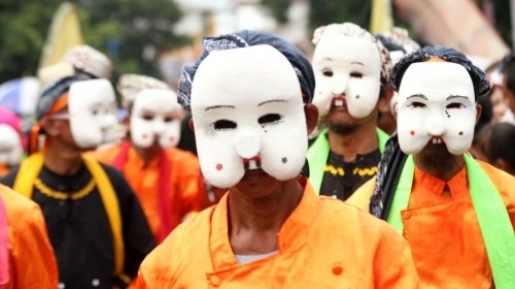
column 24, row 29
column 131, row 32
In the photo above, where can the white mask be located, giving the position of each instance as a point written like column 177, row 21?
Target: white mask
column 348, row 67
column 11, row 150
column 156, row 116
column 436, row 104
column 92, row 109
column 247, row 103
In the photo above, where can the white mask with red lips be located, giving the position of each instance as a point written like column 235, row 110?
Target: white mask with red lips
column 248, row 113
column 436, row 105
column 156, row 116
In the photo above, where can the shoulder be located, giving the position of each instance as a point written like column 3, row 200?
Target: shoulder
column 358, row 224
column 361, row 197
column 184, row 162
column 188, row 244
column 106, row 154
column 499, row 177
column 19, row 208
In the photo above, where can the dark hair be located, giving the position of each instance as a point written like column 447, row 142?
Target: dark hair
column 508, row 68
column 486, row 116
column 481, row 84
column 501, row 144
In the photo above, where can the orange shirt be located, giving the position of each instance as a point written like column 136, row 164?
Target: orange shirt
column 186, row 191
column 323, row 244
column 32, row 263
column 444, row 232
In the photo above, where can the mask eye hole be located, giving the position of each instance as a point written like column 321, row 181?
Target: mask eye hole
column 224, row 124
column 356, row 75
column 417, row 104
column 269, row 118
column 455, row 105
column 327, row 73
column 147, row 117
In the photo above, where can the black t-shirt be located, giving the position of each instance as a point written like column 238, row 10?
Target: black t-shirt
column 341, row 179
column 80, row 233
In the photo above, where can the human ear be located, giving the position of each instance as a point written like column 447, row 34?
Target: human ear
column 191, row 125
column 383, row 103
column 479, row 108
column 311, row 112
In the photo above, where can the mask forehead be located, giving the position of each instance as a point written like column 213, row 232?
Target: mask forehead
column 157, row 100
column 344, row 50
column 265, row 75
column 436, row 81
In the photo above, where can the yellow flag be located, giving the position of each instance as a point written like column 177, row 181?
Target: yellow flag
column 64, row 33
column 381, row 19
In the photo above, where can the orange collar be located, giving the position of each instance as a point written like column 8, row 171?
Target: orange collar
column 293, row 232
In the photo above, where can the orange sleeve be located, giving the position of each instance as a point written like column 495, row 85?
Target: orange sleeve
column 32, row 261
column 361, row 197
column 394, row 263
column 504, row 183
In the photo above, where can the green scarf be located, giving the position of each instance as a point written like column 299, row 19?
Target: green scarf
column 492, row 215
column 319, row 152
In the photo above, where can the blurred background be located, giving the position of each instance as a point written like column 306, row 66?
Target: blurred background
column 157, row 37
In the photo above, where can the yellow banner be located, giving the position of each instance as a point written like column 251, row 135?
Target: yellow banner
column 381, row 19
column 65, row 32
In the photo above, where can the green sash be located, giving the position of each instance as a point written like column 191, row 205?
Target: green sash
column 491, row 212
column 319, row 152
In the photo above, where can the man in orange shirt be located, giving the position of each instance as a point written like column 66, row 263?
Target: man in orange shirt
column 166, row 180
column 457, row 213
column 30, row 260
column 250, row 95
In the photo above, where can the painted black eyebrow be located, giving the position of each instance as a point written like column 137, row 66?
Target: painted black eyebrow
column 417, row 95
column 456, row 96
column 357, row 62
column 273, row 100
column 218, row 106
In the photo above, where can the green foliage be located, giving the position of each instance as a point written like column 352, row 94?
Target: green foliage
column 123, row 29
column 24, row 28
column 278, row 8
column 325, row 12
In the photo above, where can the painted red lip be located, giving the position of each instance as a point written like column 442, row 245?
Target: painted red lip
column 256, row 158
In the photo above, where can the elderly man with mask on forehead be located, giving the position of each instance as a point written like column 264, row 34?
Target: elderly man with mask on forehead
column 95, row 223
column 457, row 213
column 166, row 180
column 250, row 96
column 351, row 70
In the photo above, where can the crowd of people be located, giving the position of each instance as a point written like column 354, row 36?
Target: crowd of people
column 373, row 163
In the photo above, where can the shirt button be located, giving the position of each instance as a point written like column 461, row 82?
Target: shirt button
column 215, row 280
column 95, row 282
column 406, row 215
column 61, row 286
column 337, row 270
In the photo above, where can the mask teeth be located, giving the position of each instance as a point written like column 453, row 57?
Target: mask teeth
column 252, row 165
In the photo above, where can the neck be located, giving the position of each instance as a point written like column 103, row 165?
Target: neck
column 61, row 158
column 148, row 154
column 444, row 168
column 361, row 141
column 261, row 219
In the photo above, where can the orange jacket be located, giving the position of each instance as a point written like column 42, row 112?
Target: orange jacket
column 323, row 244
column 443, row 231
column 4, row 170
column 32, row 263
column 186, row 190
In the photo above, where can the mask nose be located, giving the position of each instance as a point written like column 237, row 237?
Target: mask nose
column 435, row 125
column 159, row 127
column 338, row 85
column 248, row 146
